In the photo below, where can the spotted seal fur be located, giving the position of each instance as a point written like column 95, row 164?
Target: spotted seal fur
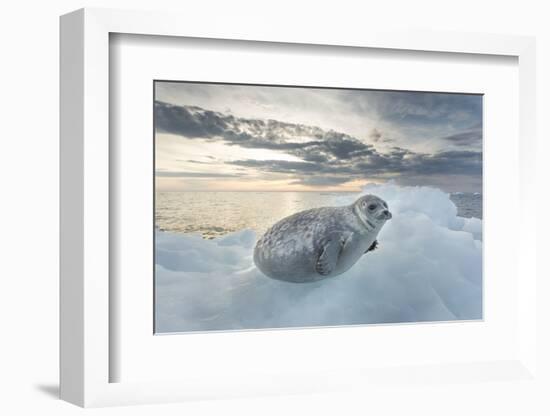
column 322, row 242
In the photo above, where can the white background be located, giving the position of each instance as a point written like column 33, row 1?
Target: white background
column 29, row 115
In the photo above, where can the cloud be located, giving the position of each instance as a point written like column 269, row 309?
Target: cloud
column 397, row 163
column 466, row 138
column 173, row 174
column 280, row 166
column 337, row 156
column 317, row 180
column 420, row 107
column 309, row 142
column 455, row 162
column 375, row 135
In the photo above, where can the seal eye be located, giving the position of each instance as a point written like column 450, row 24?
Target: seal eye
column 372, row 207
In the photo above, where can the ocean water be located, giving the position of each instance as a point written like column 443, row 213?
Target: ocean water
column 469, row 204
column 215, row 214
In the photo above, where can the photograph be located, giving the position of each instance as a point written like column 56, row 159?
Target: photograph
column 289, row 206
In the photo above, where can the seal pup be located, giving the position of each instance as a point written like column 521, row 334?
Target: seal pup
column 322, row 242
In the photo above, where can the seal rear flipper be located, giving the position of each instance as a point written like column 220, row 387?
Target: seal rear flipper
column 372, row 247
column 326, row 263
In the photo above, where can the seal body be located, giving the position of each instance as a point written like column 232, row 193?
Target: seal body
column 320, row 243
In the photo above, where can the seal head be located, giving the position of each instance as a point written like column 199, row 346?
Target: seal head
column 372, row 211
column 320, row 243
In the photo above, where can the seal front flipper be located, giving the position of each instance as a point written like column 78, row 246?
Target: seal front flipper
column 372, row 247
column 326, row 263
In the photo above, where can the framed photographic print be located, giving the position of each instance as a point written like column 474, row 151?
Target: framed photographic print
column 266, row 213
column 288, row 206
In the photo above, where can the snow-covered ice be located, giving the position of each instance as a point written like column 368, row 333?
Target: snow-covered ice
column 428, row 267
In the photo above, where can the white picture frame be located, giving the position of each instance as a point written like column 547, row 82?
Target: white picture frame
column 86, row 304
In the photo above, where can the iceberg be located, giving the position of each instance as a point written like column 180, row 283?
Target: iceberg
column 428, row 267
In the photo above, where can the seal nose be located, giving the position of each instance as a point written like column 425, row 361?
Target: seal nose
column 387, row 214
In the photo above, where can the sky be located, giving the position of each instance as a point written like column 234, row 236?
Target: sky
column 226, row 137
